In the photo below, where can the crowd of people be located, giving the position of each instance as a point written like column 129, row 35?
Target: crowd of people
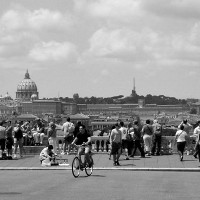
column 13, row 137
column 21, row 133
column 147, row 138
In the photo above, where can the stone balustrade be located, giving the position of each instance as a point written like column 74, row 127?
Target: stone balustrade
column 101, row 143
column 168, row 144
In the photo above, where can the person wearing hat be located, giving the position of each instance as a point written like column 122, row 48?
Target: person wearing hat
column 52, row 136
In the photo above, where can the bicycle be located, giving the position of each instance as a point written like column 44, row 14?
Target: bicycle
column 77, row 165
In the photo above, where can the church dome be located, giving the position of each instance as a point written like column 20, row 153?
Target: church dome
column 27, row 84
column 26, row 88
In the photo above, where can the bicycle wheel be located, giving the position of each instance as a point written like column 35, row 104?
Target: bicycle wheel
column 89, row 168
column 76, row 167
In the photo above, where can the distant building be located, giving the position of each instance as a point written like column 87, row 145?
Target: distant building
column 27, row 89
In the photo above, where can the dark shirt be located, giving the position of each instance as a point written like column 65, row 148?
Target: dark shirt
column 18, row 133
column 82, row 137
column 76, row 130
column 147, row 129
column 137, row 134
column 9, row 132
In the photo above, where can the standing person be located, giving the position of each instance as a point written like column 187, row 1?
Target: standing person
column 68, row 128
column 52, row 136
column 9, row 138
column 157, row 136
column 180, row 137
column 196, row 133
column 197, row 146
column 76, row 129
column 2, row 135
column 125, row 141
column 136, row 138
column 147, row 132
column 187, row 128
column 116, row 142
column 110, row 153
column 18, row 139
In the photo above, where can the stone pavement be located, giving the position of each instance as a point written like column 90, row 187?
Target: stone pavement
column 102, row 162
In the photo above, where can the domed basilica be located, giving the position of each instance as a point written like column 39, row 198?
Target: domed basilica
column 27, row 89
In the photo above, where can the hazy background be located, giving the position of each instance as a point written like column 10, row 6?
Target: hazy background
column 97, row 47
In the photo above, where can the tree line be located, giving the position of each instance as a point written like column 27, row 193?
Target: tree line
column 120, row 99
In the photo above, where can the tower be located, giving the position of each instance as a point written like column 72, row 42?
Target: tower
column 133, row 94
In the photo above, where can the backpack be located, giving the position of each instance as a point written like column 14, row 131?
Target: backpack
column 71, row 128
column 158, row 130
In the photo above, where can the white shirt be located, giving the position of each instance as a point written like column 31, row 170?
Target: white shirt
column 197, row 131
column 124, row 132
column 180, row 135
column 65, row 128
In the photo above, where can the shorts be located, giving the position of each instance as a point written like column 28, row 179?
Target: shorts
column 69, row 138
column 115, row 148
column 9, row 143
column 126, row 144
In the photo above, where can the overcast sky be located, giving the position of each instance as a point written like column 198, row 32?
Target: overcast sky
column 97, row 47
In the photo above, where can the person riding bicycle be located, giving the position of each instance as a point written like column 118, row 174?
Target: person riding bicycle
column 83, row 140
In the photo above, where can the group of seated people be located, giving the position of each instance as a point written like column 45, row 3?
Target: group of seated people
column 33, row 134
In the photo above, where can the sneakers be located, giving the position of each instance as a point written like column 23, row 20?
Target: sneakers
column 117, row 163
column 127, row 158
column 194, row 156
column 62, row 153
column 14, row 156
column 181, row 159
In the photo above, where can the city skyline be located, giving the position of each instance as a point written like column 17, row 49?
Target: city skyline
column 97, row 47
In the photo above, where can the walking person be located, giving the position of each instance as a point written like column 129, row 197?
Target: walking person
column 137, row 139
column 197, row 133
column 187, row 128
column 157, row 137
column 116, row 142
column 180, row 137
column 147, row 132
column 197, row 146
column 125, row 140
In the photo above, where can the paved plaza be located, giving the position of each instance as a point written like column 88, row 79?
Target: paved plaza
column 101, row 161
column 102, row 185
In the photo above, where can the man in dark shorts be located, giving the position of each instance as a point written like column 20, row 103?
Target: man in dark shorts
column 116, row 143
column 83, row 138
